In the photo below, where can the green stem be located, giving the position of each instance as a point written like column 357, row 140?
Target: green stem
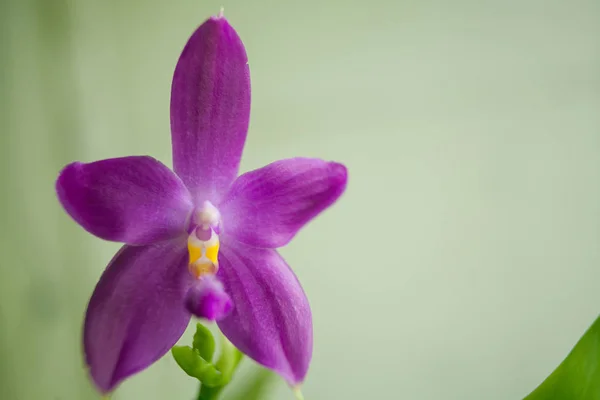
column 209, row 393
column 227, row 364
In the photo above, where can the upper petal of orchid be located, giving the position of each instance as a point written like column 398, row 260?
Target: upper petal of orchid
column 136, row 200
column 137, row 312
column 210, row 109
column 271, row 320
column 266, row 207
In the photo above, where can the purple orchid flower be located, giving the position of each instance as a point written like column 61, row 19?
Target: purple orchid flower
column 199, row 241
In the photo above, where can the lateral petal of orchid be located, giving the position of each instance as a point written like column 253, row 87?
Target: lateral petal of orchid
column 210, row 109
column 136, row 313
column 271, row 321
column 136, row 200
column 268, row 206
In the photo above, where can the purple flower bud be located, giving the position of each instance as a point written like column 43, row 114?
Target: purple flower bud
column 207, row 299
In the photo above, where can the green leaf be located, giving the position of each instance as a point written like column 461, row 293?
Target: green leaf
column 194, row 365
column 578, row 376
column 204, row 342
column 255, row 388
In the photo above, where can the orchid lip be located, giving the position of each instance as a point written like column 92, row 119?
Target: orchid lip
column 203, row 240
column 207, row 299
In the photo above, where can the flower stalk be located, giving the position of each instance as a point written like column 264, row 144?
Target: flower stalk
column 208, row 393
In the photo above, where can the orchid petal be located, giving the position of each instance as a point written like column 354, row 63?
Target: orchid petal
column 136, row 200
column 137, row 312
column 271, row 320
column 210, row 109
column 268, row 206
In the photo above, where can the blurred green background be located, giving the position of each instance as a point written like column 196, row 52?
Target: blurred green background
column 463, row 261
